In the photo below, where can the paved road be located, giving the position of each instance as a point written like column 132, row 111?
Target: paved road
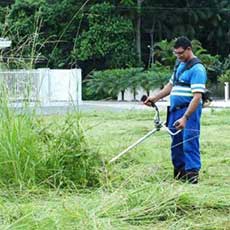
column 139, row 106
column 61, row 108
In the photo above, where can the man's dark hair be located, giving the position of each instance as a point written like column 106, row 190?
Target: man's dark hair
column 183, row 42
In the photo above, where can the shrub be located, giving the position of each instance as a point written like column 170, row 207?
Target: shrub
column 109, row 83
column 225, row 77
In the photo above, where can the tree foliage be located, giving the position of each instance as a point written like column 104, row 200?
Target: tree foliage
column 101, row 34
column 109, row 83
column 225, row 77
column 109, row 36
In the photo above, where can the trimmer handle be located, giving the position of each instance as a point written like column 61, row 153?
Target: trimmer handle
column 170, row 132
column 144, row 98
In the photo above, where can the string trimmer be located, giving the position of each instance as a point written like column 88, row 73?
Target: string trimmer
column 158, row 124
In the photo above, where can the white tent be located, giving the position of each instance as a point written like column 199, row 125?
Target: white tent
column 4, row 43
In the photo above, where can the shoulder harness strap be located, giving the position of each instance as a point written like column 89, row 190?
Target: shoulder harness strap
column 188, row 66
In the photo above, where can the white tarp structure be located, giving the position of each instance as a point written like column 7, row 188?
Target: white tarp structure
column 130, row 96
column 4, row 43
column 226, row 91
column 44, row 86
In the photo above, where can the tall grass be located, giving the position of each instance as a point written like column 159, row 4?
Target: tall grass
column 19, row 147
column 34, row 152
column 70, row 160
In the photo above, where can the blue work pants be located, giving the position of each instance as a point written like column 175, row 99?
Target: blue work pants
column 185, row 147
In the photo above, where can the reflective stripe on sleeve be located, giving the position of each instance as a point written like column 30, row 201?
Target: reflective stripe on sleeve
column 176, row 93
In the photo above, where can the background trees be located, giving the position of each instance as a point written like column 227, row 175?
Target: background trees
column 109, row 38
column 98, row 35
column 111, row 34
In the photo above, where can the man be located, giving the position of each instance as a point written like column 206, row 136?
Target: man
column 185, row 88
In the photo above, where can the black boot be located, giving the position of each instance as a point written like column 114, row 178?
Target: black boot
column 192, row 177
column 179, row 174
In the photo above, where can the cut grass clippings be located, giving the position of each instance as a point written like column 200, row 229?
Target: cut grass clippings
column 137, row 191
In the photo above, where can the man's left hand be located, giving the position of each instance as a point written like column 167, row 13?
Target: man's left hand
column 180, row 123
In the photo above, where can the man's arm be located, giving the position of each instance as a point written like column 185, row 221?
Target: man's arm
column 163, row 93
column 180, row 124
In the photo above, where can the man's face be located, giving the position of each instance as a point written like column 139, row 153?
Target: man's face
column 181, row 53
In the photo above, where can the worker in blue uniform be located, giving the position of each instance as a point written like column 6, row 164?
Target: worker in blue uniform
column 185, row 88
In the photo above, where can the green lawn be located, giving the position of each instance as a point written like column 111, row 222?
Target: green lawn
column 138, row 191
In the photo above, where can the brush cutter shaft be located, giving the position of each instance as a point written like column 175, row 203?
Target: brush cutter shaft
column 158, row 125
column 133, row 145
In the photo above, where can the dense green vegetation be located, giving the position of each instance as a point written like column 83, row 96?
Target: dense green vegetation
column 108, row 34
column 108, row 83
column 137, row 192
column 117, row 35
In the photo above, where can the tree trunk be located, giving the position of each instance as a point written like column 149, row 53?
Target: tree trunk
column 122, row 95
column 138, row 30
column 151, row 32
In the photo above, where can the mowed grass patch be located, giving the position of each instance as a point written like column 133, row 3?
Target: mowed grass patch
column 137, row 191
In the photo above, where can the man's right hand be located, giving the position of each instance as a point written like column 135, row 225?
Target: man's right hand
column 150, row 100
